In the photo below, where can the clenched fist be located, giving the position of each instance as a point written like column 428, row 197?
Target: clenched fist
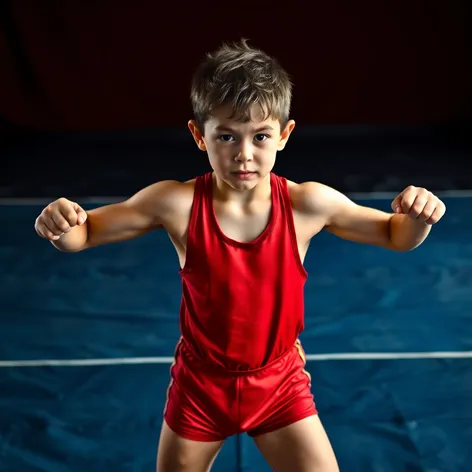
column 59, row 217
column 419, row 204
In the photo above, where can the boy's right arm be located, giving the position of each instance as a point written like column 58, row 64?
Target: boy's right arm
column 72, row 229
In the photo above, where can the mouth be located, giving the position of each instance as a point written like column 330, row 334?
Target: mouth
column 244, row 174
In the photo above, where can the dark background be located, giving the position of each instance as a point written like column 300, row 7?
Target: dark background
column 94, row 95
column 94, row 102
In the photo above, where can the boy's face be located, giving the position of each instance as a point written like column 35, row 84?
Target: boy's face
column 241, row 154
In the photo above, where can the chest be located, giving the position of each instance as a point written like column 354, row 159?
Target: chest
column 242, row 223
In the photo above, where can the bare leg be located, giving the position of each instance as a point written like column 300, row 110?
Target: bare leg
column 176, row 454
column 302, row 446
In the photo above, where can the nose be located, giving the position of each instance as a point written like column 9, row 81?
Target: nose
column 245, row 153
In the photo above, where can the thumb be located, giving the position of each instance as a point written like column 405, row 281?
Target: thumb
column 81, row 214
column 396, row 204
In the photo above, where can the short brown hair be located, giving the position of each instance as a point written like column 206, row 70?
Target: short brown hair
column 241, row 76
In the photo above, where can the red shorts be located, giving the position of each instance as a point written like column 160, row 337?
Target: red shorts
column 208, row 403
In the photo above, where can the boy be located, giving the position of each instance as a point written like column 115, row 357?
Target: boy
column 241, row 234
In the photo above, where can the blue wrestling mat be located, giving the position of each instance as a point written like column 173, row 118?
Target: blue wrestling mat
column 86, row 342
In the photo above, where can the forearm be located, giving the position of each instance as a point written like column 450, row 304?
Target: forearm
column 73, row 241
column 406, row 233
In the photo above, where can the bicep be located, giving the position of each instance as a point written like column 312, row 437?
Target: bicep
column 343, row 217
column 129, row 219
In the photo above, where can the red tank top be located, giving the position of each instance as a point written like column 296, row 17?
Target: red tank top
column 242, row 303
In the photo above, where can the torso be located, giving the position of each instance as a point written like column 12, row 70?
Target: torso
column 243, row 280
column 240, row 224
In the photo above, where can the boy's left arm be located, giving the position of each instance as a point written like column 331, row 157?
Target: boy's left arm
column 414, row 211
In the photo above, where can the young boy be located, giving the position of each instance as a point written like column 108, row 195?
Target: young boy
column 241, row 234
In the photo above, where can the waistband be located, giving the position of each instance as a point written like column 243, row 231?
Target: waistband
column 185, row 351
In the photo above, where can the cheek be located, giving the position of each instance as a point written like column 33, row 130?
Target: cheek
column 269, row 153
column 218, row 156
column 221, row 150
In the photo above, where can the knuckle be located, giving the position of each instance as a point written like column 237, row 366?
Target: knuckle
column 429, row 211
column 63, row 204
column 38, row 230
column 420, row 203
column 40, row 221
column 71, row 217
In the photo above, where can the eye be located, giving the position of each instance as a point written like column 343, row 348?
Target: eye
column 225, row 138
column 261, row 137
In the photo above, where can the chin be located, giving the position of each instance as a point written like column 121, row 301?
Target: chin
column 243, row 184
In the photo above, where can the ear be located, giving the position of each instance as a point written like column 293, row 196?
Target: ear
column 197, row 135
column 285, row 134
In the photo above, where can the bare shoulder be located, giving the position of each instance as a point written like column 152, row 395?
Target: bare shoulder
column 162, row 204
column 315, row 198
column 164, row 195
column 319, row 206
column 168, row 188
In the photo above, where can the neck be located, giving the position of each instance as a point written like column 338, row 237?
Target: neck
column 262, row 191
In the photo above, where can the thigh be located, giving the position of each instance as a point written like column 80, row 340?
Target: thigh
column 177, row 454
column 277, row 397
column 302, row 446
column 199, row 403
